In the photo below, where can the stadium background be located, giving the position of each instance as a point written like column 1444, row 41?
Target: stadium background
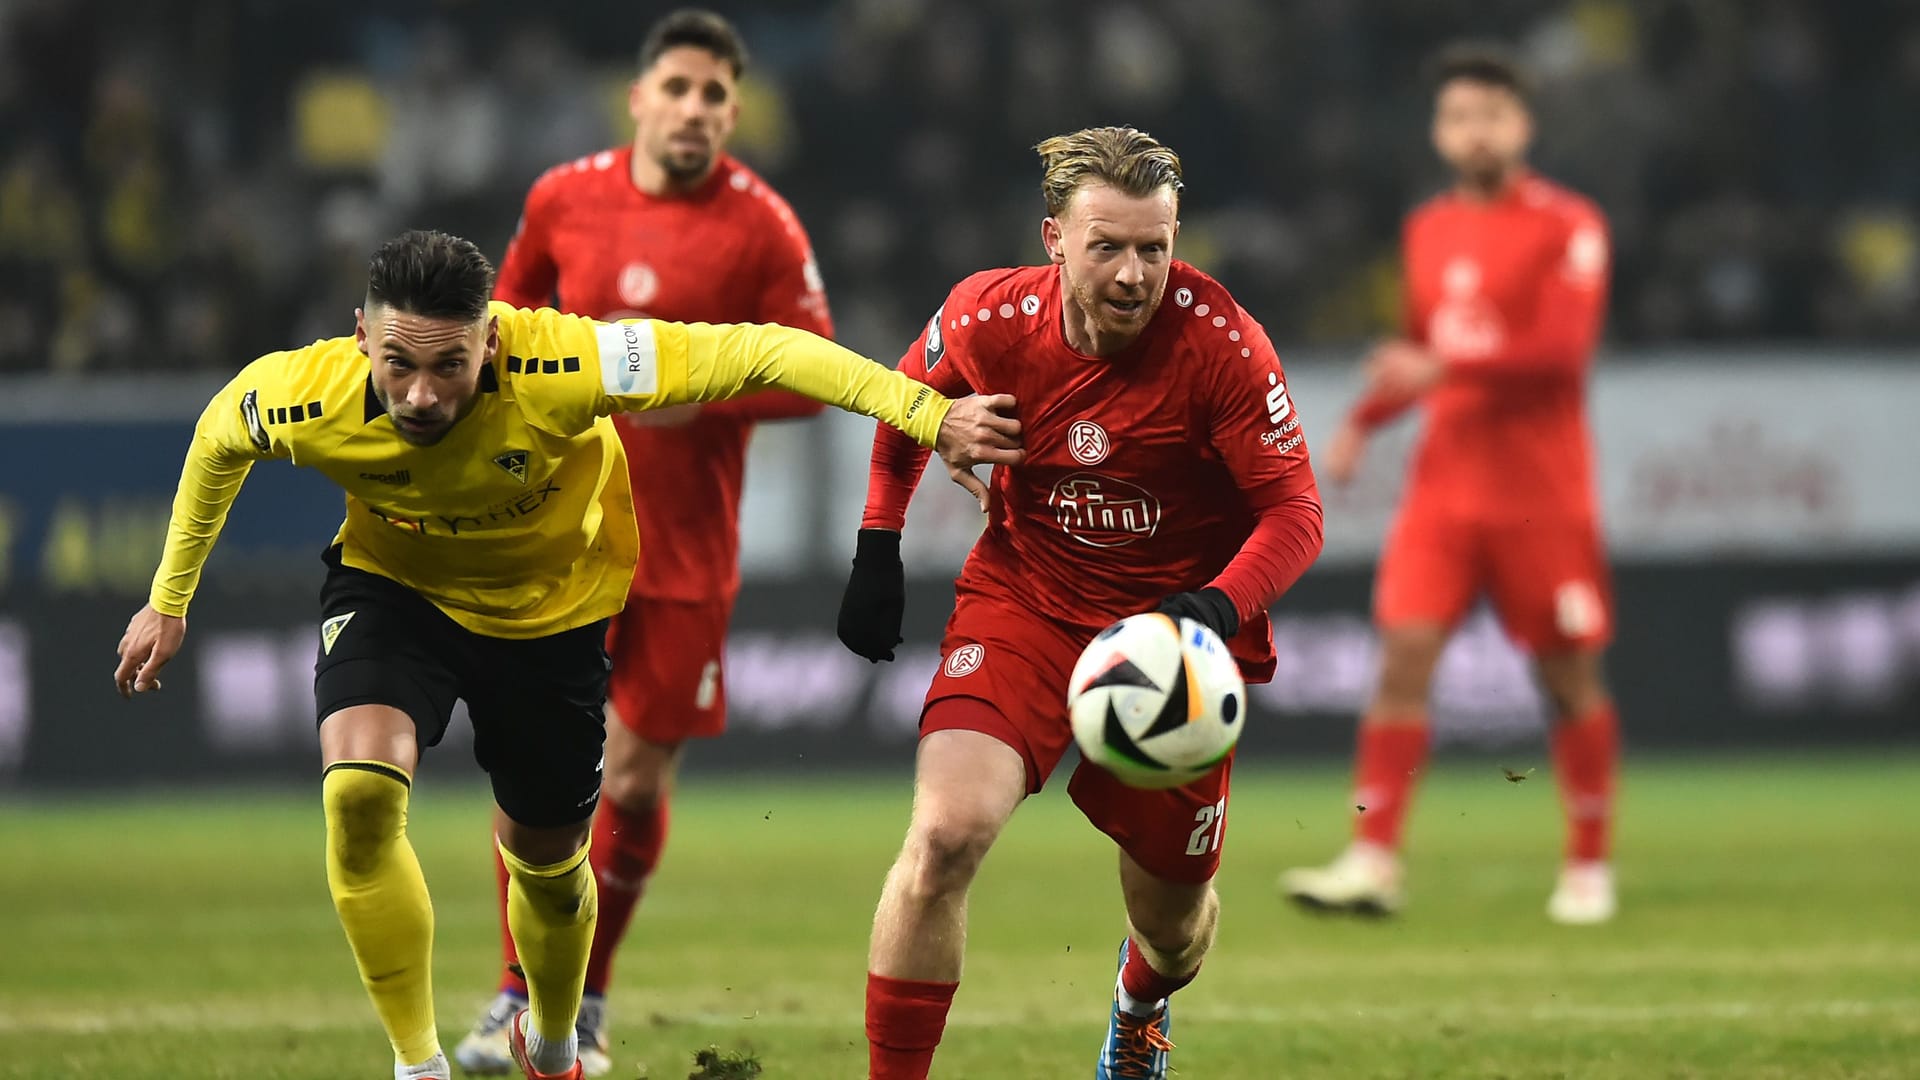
column 184, row 186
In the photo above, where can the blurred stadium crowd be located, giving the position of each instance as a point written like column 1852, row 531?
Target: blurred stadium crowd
column 191, row 188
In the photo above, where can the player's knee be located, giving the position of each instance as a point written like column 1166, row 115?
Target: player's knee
column 364, row 813
column 1406, row 666
column 635, row 791
column 944, row 855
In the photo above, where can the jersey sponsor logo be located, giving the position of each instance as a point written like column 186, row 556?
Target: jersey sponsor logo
column 330, row 631
column 936, row 340
column 250, row 412
column 920, row 398
column 627, row 361
column 965, row 660
column 1278, row 440
column 637, row 284
column 515, row 464
column 1279, row 406
column 399, row 477
column 1088, row 442
column 1100, row 511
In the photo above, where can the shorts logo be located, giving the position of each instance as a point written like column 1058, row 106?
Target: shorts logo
column 330, row 631
column 965, row 660
column 1088, row 442
column 1576, row 609
column 515, row 464
column 709, row 689
column 1100, row 511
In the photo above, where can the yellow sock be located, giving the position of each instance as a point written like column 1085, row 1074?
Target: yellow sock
column 550, row 912
column 382, row 899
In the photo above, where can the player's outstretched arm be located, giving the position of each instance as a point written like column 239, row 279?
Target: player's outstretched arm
column 229, row 437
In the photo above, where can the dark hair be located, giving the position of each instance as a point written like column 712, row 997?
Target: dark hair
column 699, row 28
column 423, row 272
column 1479, row 62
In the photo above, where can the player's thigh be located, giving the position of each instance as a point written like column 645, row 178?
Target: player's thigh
column 1573, row 680
column 1429, row 572
column 966, row 785
column 539, row 725
column 669, row 678
column 639, row 772
column 1175, row 834
column 384, row 651
column 1018, row 664
column 1550, row 585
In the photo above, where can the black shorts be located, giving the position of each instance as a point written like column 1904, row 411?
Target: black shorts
column 536, row 704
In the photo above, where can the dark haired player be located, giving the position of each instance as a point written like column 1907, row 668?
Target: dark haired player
column 489, row 536
column 1506, row 293
column 670, row 227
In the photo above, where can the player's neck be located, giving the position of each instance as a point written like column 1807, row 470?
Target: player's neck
column 1488, row 191
column 652, row 178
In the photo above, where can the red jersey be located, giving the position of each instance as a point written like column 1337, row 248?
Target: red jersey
column 1511, row 294
column 731, row 251
column 1148, row 472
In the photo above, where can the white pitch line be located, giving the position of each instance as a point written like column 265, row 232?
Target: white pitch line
column 334, row 1015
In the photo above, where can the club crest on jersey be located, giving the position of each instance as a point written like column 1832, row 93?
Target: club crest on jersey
column 965, row 660
column 1088, row 442
column 637, row 285
column 1100, row 511
column 330, row 631
column 936, row 339
column 515, row 463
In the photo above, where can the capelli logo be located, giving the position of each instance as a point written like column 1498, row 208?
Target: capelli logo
column 919, row 399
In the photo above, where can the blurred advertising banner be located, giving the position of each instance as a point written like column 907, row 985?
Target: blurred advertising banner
column 1722, row 656
column 1698, row 458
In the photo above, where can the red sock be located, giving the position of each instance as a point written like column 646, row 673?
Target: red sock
column 1586, row 753
column 625, row 848
column 905, row 1018
column 1145, row 984
column 1393, row 750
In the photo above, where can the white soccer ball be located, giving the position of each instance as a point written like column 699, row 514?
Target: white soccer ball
column 1156, row 704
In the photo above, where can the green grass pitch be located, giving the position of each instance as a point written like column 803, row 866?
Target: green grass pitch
column 1770, row 928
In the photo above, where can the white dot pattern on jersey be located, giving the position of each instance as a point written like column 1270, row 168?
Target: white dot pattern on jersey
column 1006, row 311
column 983, row 315
column 1201, row 309
column 965, row 319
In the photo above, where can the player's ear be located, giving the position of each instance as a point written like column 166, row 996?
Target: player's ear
column 493, row 335
column 360, row 330
column 1053, row 238
column 633, row 97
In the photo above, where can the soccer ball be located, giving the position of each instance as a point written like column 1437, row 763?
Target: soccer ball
column 1156, row 704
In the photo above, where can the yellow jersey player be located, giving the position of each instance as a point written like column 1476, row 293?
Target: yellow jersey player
column 489, row 535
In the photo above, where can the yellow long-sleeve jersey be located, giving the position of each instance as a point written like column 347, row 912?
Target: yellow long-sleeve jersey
column 519, row 523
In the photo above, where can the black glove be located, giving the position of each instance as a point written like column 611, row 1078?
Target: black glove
column 876, row 596
column 1208, row 607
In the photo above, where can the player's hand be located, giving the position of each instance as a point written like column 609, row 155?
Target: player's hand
column 1341, row 460
column 150, row 641
column 1209, row 607
column 876, row 598
column 979, row 430
column 1401, row 369
column 666, row 416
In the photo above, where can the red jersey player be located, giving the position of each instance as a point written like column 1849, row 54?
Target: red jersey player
column 1506, row 290
column 1164, row 470
column 673, row 228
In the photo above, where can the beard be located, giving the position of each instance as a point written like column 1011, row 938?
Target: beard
column 1093, row 303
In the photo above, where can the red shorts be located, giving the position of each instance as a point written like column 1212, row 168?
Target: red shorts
column 1547, row 580
column 1018, row 663
column 668, row 682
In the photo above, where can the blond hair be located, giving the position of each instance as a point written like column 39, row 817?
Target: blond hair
column 1126, row 159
